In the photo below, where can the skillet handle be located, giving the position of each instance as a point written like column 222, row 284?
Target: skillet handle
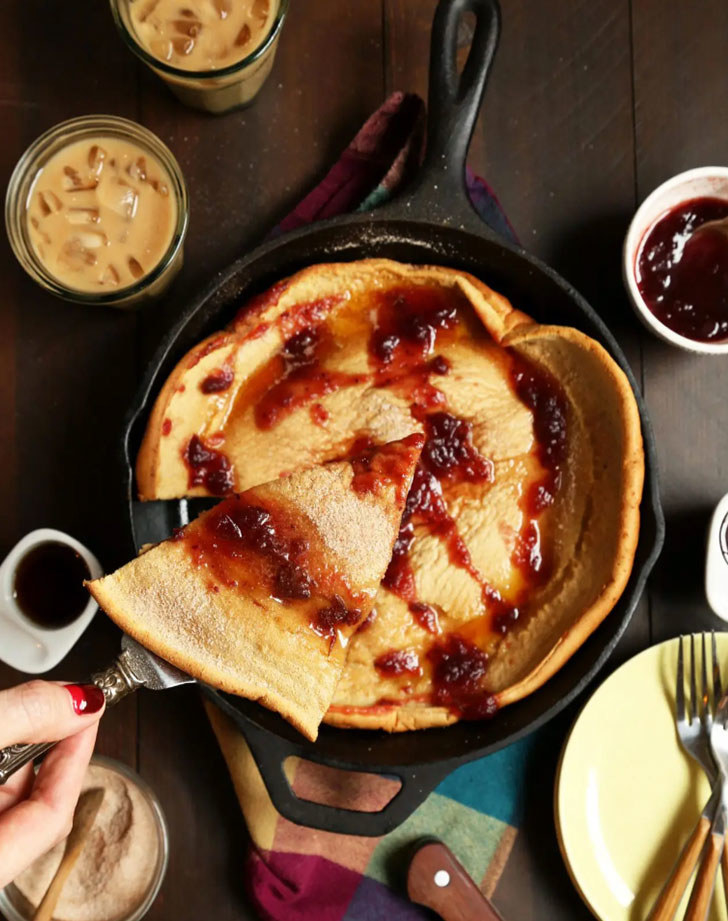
column 270, row 753
column 438, row 195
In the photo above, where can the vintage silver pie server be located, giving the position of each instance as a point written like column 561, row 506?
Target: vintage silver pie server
column 134, row 668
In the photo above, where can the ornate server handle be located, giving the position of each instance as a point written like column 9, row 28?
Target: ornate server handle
column 116, row 682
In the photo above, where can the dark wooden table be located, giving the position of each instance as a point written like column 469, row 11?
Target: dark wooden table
column 590, row 105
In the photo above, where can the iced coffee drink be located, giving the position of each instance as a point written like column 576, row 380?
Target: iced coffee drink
column 214, row 54
column 98, row 215
column 202, row 34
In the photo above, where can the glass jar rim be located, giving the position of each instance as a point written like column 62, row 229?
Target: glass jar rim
column 180, row 73
column 91, row 124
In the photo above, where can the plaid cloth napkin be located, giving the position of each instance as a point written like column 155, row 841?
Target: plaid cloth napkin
column 300, row 874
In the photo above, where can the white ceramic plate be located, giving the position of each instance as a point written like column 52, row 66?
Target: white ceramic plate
column 627, row 795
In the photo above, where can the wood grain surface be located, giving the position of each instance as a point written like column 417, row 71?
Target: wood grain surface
column 590, row 105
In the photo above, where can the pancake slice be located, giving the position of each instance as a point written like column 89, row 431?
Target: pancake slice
column 260, row 595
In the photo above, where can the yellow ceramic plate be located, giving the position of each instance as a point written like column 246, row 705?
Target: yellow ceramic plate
column 627, row 795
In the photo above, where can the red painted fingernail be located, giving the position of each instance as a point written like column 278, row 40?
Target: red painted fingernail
column 87, row 698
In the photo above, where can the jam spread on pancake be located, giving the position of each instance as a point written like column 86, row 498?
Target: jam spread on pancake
column 208, row 467
column 408, row 323
column 449, row 452
column 218, row 381
column 458, row 668
column 301, row 379
column 425, row 505
column 440, row 365
column 319, row 414
column 399, row 662
column 426, row 616
column 326, row 621
column 375, row 468
column 245, row 543
column 544, row 397
column 255, row 548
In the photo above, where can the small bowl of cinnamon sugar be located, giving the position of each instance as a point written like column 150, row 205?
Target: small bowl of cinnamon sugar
column 123, row 862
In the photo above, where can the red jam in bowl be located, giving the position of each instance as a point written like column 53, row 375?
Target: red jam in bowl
column 682, row 278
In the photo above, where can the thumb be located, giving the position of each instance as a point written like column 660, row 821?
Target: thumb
column 41, row 711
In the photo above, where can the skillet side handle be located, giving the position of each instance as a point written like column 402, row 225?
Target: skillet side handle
column 438, row 193
column 270, row 753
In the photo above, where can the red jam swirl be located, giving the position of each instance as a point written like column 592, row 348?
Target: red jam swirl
column 410, row 322
column 426, row 505
column 218, row 381
column 319, row 415
column 329, row 619
column 208, row 467
column 458, row 669
column 376, row 469
column 684, row 278
column 249, row 546
column 528, row 554
column 426, row 616
column 539, row 390
column 449, row 452
column 303, row 380
column 237, row 531
column 398, row 662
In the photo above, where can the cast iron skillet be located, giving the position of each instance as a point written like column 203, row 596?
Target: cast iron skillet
column 434, row 223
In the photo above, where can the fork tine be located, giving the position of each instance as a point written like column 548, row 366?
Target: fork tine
column 693, row 688
column 717, row 685
column 705, row 710
column 680, row 687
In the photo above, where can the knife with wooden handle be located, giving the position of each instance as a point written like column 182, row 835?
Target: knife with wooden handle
column 437, row 880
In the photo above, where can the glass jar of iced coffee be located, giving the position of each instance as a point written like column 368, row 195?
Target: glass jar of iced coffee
column 96, row 212
column 213, row 54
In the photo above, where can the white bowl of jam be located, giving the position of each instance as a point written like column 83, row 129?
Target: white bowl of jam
column 678, row 282
column 44, row 605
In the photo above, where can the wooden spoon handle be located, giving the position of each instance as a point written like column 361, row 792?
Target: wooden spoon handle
column 705, row 880
column 674, row 889
column 436, row 879
column 83, row 818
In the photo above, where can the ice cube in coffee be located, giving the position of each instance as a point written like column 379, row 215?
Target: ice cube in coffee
column 100, row 214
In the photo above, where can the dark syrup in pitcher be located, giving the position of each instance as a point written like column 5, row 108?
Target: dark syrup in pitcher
column 49, row 586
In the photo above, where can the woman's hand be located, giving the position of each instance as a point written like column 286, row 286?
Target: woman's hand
column 36, row 810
